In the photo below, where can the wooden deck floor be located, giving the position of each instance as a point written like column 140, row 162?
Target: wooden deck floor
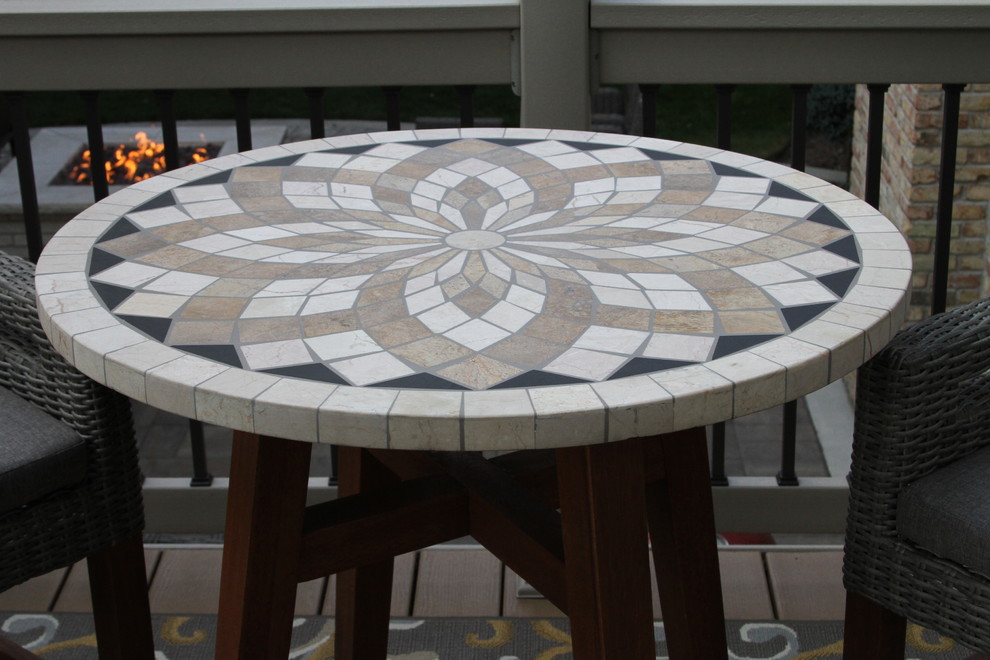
column 451, row 580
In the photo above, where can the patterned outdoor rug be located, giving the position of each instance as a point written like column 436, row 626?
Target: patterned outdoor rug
column 70, row 636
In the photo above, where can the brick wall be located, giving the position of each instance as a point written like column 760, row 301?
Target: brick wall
column 909, row 187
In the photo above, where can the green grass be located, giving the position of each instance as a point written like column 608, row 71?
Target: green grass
column 760, row 118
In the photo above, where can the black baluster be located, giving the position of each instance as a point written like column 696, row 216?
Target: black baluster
column 94, row 134
column 317, row 129
column 723, row 129
column 788, row 454
column 170, row 128
column 394, row 122
column 21, row 144
column 201, row 471
column 946, row 194
column 874, row 143
column 242, row 118
column 466, row 95
column 799, row 126
column 649, row 94
column 719, row 477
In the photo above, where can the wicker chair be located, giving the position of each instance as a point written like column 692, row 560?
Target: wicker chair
column 919, row 513
column 99, row 514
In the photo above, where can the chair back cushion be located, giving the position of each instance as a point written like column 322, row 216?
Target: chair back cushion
column 38, row 454
column 948, row 512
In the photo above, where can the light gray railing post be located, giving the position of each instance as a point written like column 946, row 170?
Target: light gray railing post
column 555, row 57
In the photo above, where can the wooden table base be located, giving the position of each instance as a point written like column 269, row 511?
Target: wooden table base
column 586, row 558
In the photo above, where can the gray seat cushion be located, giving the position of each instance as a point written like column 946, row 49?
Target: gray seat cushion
column 948, row 512
column 38, row 453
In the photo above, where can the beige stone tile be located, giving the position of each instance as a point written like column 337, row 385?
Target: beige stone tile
column 316, row 325
column 556, row 330
column 201, row 332
column 758, row 322
column 716, row 279
column 777, row 247
column 213, row 308
column 528, row 352
column 378, row 313
column 735, row 256
column 748, row 297
column 683, row 196
column 398, row 332
column 171, row 256
column 635, row 169
column 380, row 294
column 355, row 176
column 475, row 301
column 674, row 167
column 814, row 233
column 479, row 372
column 235, row 287
column 713, row 214
column 182, row 231
column 133, row 244
column 472, row 146
column 214, row 265
column 589, row 173
column 431, row 351
column 764, row 222
column 240, row 190
column 263, row 270
column 493, row 285
column 623, row 317
column 244, row 174
column 251, row 331
column 684, row 322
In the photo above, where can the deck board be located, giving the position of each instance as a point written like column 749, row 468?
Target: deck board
column 35, row 595
column 745, row 594
column 458, row 583
column 807, row 586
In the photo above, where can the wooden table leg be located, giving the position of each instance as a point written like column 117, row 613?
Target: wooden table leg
column 363, row 594
column 119, row 590
column 682, row 525
column 872, row 632
column 603, row 513
column 266, row 504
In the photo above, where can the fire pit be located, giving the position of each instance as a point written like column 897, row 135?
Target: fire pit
column 54, row 150
column 125, row 164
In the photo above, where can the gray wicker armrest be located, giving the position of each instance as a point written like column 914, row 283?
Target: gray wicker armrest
column 919, row 406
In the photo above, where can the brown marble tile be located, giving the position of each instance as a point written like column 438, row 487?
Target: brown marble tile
column 623, row 317
column 392, row 181
column 713, row 214
column 314, row 174
column 200, row 332
column 637, row 168
column 413, row 170
column 518, row 264
column 475, row 301
column 262, row 204
column 684, row 322
column 493, row 285
column 777, row 247
column 531, row 166
column 479, row 372
column 686, row 264
column 233, row 221
column 683, row 196
column 182, row 231
column 561, row 274
column 588, row 173
column 546, row 180
column 455, row 286
column 294, row 242
column 525, row 351
column 171, row 256
column 259, row 173
column 771, row 224
column 133, row 244
column 359, row 177
column 556, row 330
column 213, row 308
column 263, row 270
column 742, row 298
column 378, row 294
column 474, row 268
column 239, row 287
column 674, row 167
column 573, row 302
column 472, row 146
column 399, row 332
column 251, row 331
column 214, row 265
column 815, row 233
column 384, row 312
column 255, row 189
column 704, row 181
column 431, row 351
column 328, row 323
column 715, row 279
column 735, row 256
column 756, row 322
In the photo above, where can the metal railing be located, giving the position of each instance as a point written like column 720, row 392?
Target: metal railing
column 554, row 54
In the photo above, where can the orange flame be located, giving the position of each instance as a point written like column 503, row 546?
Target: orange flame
column 131, row 163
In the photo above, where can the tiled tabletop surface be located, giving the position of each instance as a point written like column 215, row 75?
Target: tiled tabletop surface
column 474, row 289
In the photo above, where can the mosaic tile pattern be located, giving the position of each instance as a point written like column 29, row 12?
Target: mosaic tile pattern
column 487, row 261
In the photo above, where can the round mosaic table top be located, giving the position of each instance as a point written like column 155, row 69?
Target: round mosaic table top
column 473, row 289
